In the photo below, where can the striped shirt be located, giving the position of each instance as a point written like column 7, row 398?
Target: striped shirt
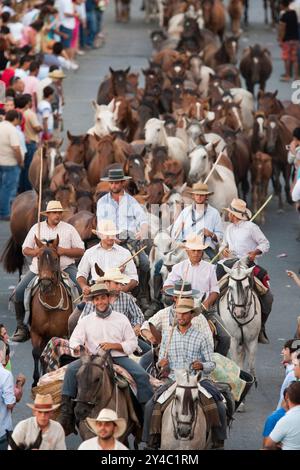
column 184, row 349
column 163, row 319
column 124, row 303
column 105, row 259
column 68, row 238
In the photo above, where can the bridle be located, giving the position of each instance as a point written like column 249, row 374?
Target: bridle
column 194, row 414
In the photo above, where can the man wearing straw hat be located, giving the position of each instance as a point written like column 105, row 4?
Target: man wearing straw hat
column 202, row 276
column 27, row 431
column 107, row 427
column 242, row 239
column 199, row 217
column 70, row 247
column 130, row 220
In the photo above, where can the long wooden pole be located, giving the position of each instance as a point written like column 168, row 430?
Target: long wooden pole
column 40, row 193
column 213, row 168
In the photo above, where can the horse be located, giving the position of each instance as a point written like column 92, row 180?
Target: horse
column 66, row 195
column 256, row 67
column 85, row 222
column 77, row 148
column 135, row 167
column 239, row 153
column 230, row 73
column 270, row 104
column 105, row 120
column 97, row 389
column 214, row 14
column 122, row 11
column 259, row 137
column 22, row 446
column 184, row 424
column 261, row 173
column 70, row 173
column 235, row 10
column 115, row 85
column 217, row 55
column 240, row 310
column 51, row 304
column 51, row 158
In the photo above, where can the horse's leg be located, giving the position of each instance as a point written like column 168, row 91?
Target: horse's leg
column 245, row 187
column 277, row 185
column 246, row 12
column 251, row 355
column 36, row 354
column 266, row 11
column 287, row 187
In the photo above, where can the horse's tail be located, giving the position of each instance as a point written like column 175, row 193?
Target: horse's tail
column 12, row 257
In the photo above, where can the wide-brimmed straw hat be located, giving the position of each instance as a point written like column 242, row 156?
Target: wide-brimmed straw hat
column 106, row 227
column 195, row 242
column 185, row 305
column 238, row 208
column 98, row 289
column 114, row 274
column 109, row 416
column 184, row 291
column 200, row 188
column 54, row 206
column 116, row 174
column 56, row 74
column 43, row 403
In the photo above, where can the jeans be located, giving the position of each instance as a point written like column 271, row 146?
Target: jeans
column 9, row 179
column 91, row 27
column 72, row 271
column 146, row 360
column 24, row 183
column 99, row 17
column 145, row 391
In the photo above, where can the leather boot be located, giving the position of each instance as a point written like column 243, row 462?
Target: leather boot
column 143, row 295
column 22, row 333
column 66, row 417
column 266, row 302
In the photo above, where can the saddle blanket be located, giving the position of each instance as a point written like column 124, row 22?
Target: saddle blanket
column 31, row 288
column 228, row 371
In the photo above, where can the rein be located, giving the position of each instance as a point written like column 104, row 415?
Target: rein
column 194, row 415
column 60, row 304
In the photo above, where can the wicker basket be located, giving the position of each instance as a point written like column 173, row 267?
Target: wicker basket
column 54, row 389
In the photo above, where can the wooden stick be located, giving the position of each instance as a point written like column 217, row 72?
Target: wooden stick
column 40, row 194
column 213, row 167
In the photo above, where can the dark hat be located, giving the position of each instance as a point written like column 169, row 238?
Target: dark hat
column 116, row 174
column 186, row 291
column 98, row 289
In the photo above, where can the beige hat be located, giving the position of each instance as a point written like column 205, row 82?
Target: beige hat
column 54, row 206
column 97, row 289
column 43, row 403
column 238, row 208
column 114, row 274
column 185, row 305
column 109, row 416
column 56, row 74
column 194, row 242
column 200, row 188
column 106, row 227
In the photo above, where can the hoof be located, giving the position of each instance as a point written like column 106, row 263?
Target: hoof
column 241, row 408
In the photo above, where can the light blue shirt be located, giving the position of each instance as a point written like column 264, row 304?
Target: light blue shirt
column 7, row 397
column 128, row 214
column 287, row 430
column 289, row 378
column 195, row 222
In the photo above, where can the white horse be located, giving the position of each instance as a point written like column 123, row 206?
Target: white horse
column 155, row 135
column 105, row 119
column 183, row 422
column 240, row 311
column 221, row 181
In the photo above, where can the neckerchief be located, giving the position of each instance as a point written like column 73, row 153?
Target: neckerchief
column 104, row 314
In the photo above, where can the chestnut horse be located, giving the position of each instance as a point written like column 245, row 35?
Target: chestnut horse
column 261, row 172
column 51, row 304
column 51, row 158
column 214, row 15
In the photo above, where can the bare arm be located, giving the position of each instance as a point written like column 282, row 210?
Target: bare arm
column 31, row 252
column 294, row 276
column 18, row 155
column 71, row 252
column 211, row 299
column 84, row 285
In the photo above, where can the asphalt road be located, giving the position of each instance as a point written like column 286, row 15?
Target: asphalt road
column 130, row 45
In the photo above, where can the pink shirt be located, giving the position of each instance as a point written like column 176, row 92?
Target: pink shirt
column 31, row 87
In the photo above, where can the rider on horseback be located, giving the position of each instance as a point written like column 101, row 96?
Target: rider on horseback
column 111, row 331
column 70, row 247
column 242, row 239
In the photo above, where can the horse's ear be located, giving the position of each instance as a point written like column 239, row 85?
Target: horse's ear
column 55, row 242
column 127, row 70
column 95, row 104
column 275, row 94
column 38, row 242
column 260, row 94
column 11, row 441
column 180, row 190
column 98, row 270
column 111, row 70
column 111, row 105
column 69, row 135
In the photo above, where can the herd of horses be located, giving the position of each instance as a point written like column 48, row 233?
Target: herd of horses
column 167, row 134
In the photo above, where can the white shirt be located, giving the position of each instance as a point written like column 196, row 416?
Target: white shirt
column 195, row 222
column 202, row 276
column 65, row 6
column 244, row 237
column 93, row 330
column 16, row 30
column 44, row 111
column 92, row 444
column 7, row 397
column 296, row 191
column 27, row 431
column 9, row 138
column 105, row 259
column 68, row 238
column 287, row 430
column 30, row 16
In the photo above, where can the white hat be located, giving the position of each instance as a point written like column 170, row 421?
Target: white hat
column 194, row 242
column 54, row 206
column 238, row 208
column 114, row 274
column 110, row 416
column 106, row 227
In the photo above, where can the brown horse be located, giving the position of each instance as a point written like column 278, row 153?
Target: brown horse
column 256, row 67
column 259, row 135
column 51, row 304
column 51, row 158
column 214, row 14
column 115, row 85
column 270, row 104
column 239, row 154
column 126, row 119
column 229, row 73
column 70, row 173
column 135, row 167
column 225, row 54
column 261, row 172
column 77, row 148
column 235, row 9
column 84, row 222
column 66, row 195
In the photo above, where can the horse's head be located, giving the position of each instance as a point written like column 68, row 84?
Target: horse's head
column 34, row 445
column 119, row 81
column 74, row 174
column 105, row 119
column 259, row 125
column 272, row 133
column 231, row 48
column 200, row 163
column 154, row 130
column 184, row 407
column 239, row 288
column 268, row 102
column 135, row 167
column 233, row 116
column 48, row 263
column 77, row 147
column 89, row 382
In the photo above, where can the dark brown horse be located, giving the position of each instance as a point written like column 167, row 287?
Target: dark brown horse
column 77, row 148
column 239, row 154
column 70, row 173
column 51, row 304
column 261, row 172
column 270, row 104
column 256, row 67
column 115, row 85
column 84, row 222
column 224, row 54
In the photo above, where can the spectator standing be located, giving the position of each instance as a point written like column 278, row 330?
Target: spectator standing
column 91, row 22
column 274, row 417
column 11, row 159
column 45, row 113
column 67, row 17
column 23, row 69
column 7, row 398
column 9, row 72
column 288, row 38
column 32, row 83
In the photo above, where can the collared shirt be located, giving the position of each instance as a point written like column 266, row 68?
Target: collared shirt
column 296, row 191
column 202, row 276
column 287, row 430
column 184, row 349
column 68, row 238
column 244, row 237
column 27, row 431
column 9, row 138
column 7, row 397
column 163, row 319
column 128, row 214
column 105, row 259
column 92, row 444
column 195, row 222
column 124, row 303
column 93, row 330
